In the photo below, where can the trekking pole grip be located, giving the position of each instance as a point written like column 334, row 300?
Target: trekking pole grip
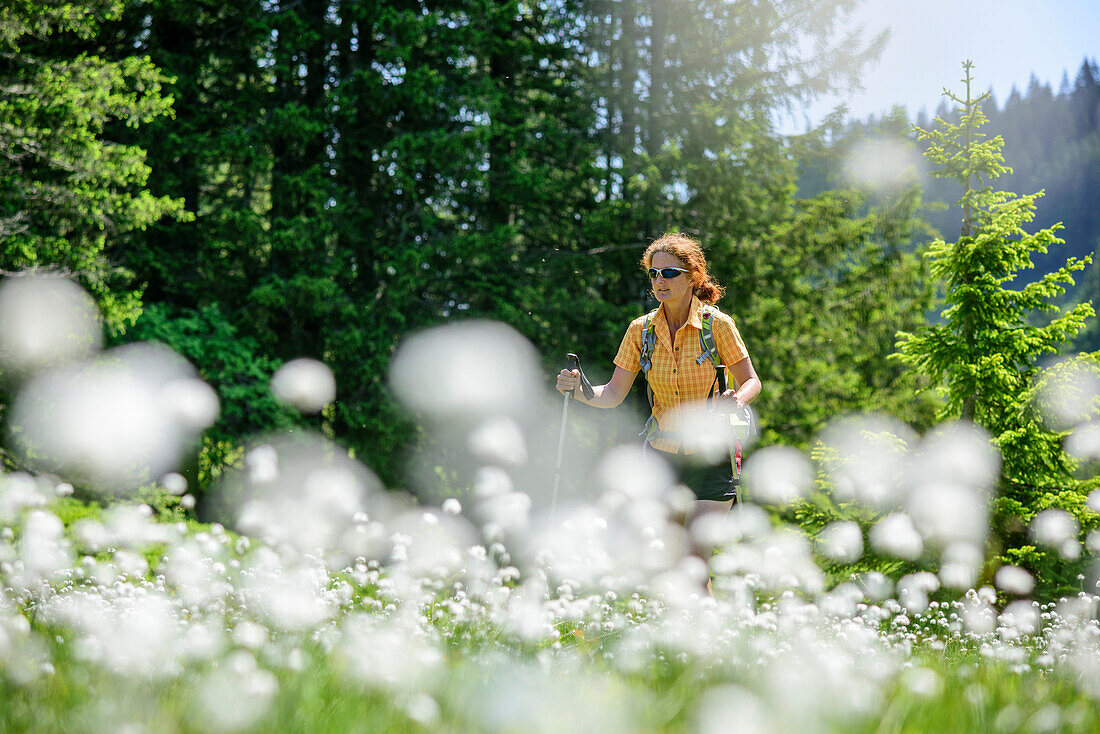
column 574, row 363
column 721, row 368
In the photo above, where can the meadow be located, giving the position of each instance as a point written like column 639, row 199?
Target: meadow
column 337, row 604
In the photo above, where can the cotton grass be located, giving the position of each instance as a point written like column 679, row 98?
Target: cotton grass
column 488, row 613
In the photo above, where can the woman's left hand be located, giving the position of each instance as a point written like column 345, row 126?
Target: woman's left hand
column 729, row 402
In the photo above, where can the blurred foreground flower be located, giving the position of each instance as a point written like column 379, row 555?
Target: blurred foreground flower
column 117, row 421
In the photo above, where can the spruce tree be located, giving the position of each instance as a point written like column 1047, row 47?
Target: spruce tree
column 986, row 351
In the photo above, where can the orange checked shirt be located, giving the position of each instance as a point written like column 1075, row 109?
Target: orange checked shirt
column 676, row 378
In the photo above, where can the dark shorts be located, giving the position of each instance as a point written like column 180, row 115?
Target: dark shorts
column 708, row 481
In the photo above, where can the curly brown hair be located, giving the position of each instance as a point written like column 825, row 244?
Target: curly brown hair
column 690, row 253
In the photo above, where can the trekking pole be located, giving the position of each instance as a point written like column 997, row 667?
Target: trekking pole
column 573, row 363
column 722, row 385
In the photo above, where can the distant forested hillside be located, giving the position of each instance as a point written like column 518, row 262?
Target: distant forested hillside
column 1052, row 143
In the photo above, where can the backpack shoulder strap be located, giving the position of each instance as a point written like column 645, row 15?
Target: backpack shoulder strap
column 649, row 341
column 706, row 337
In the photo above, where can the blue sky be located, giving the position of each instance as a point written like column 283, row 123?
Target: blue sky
column 1008, row 41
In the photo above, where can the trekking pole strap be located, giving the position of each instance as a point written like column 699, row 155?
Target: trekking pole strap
column 586, row 386
column 720, row 383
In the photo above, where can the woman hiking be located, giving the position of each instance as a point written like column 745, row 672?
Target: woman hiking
column 678, row 375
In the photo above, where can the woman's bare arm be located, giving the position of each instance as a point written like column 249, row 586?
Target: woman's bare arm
column 747, row 381
column 606, row 396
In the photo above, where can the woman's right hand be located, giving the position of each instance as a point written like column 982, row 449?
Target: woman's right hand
column 568, row 381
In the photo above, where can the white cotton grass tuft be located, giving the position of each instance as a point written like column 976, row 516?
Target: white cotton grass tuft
column 136, row 635
column 499, row 440
column 777, row 475
column 174, row 483
column 133, row 526
column 1053, row 527
column 842, row 600
column 306, row 384
column 288, row 598
column 18, row 491
column 882, row 164
column 1092, row 542
column 506, row 512
column 43, row 550
column 24, row 658
column 895, row 535
column 634, row 473
column 780, row 560
column 922, row 682
column 1056, row 529
column 977, row 614
column 960, row 565
column 472, row 368
column 492, row 481
column 123, row 526
column 959, row 453
column 191, row 402
column 705, row 432
column 950, row 478
column 914, row 589
column 876, row 585
column 949, row 513
column 516, row 695
column 619, row 548
column 835, row 681
column 45, row 320
column 1084, row 442
column 302, row 491
column 431, row 543
column 386, row 658
column 1014, row 580
column 116, row 422
column 744, row 522
column 865, row 456
column 721, row 705
column 233, row 696
column 840, row 541
column 1069, row 393
column 1021, row 616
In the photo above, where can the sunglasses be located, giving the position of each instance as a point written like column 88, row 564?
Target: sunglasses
column 665, row 272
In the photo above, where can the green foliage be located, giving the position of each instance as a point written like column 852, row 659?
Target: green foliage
column 985, row 353
column 233, row 366
column 71, row 510
column 69, row 193
column 832, row 284
column 360, row 171
column 824, row 505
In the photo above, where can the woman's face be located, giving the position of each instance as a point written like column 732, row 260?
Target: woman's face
column 670, row 290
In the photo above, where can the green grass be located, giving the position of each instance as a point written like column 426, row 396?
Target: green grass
column 938, row 682
column 972, row 695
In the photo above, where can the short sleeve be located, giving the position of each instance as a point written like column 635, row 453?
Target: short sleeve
column 731, row 348
column 630, row 350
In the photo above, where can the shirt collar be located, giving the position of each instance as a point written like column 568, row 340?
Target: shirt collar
column 695, row 314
